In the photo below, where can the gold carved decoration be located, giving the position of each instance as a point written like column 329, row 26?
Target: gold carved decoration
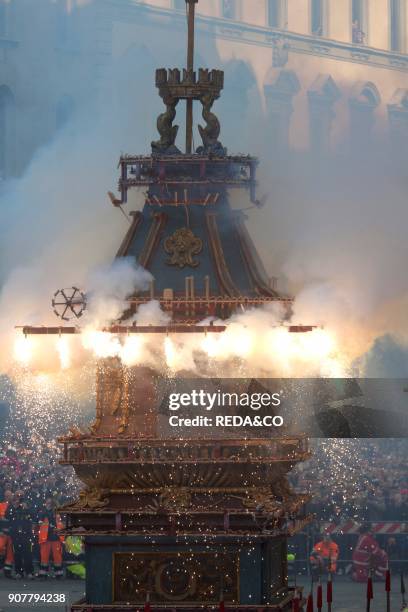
column 182, row 245
column 92, row 498
column 261, row 499
column 180, row 576
column 282, row 489
column 76, row 433
column 112, row 395
column 175, row 498
column 172, row 499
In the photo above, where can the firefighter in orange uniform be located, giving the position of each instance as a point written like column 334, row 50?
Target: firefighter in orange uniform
column 6, row 550
column 6, row 546
column 324, row 556
column 50, row 541
column 8, row 497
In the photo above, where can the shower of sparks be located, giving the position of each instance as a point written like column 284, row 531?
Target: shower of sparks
column 341, row 469
column 100, row 343
column 170, row 352
column 45, row 402
column 50, row 373
column 210, row 346
column 131, row 351
column 64, row 353
column 23, row 350
column 266, row 350
column 241, row 342
column 42, row 406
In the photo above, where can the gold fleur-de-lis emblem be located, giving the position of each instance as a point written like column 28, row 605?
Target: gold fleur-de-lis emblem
column 182, row 246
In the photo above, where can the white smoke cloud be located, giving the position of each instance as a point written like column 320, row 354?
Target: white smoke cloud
column 386, row 358
column 108, row 286
column 58, row 224
column 151, row 314
column 334, row 231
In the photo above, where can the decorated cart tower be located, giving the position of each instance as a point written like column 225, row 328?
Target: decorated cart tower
column 183, row 522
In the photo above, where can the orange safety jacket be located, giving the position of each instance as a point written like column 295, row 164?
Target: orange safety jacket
column 3, row 544
column 6, row 547
column 6, row 551
column 43, row 531
column 327, row 550
column 3, row 509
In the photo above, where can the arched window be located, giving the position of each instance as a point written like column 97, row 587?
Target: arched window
column 280, row 88
column 322, row 95
column 3, row 18
column 61, row 23
column 357, row 11
column 180, row 5
column 358, row 22
column 235, row 104
column 229, row 9
column 363, row 102
column 395, row 25
column 7, row 132
column 64, row 111
column 398, row 120
column 318, row 17
column 277, row 13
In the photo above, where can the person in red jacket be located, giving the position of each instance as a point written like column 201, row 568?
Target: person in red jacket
column 368, row 556
column 50, row 541
column 6, row 545
column 8, row 496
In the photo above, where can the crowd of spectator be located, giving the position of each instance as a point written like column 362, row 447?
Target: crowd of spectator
column 36, row 476
column 364, row 480
column 32, row 486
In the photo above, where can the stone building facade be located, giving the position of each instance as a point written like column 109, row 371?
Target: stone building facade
column 313, row 71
